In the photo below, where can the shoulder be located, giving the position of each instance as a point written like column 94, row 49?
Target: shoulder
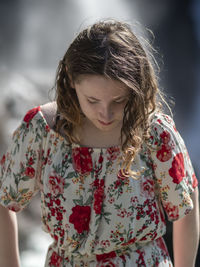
column 49, row 111
column 162, row 129
column 38, row 120
column 162, row 120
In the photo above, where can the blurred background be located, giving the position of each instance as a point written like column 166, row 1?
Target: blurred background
column 34, row 35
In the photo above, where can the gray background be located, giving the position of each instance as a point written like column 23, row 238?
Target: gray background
column 34, row 35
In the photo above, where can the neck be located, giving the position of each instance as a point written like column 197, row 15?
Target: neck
column 92, row 136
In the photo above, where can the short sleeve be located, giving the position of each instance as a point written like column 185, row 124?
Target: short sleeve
column 20, row 165
column 172, row 166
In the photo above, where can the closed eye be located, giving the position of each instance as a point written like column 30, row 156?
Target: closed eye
column 120, row 100
column 92, row 101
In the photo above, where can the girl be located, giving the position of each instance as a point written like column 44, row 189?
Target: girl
column 107, row 162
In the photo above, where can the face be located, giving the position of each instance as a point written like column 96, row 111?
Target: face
column 102, row 101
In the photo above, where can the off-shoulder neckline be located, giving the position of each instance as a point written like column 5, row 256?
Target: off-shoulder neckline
column 74, row 145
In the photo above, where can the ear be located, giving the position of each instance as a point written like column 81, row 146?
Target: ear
column 70, row 78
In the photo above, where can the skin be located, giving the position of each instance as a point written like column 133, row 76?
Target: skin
column 186, row 236
column 9, row 253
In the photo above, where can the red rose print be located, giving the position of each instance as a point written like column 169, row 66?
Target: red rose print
column 106, row 256
column 105, row 243
column 113, row 153
column 98, row 195
column 123, row 258
column 30, row 162
column 80, row 218
column 30, row 172
column 121, row 180
column 57, row 201
column 100, row 159
column 140, row 260
column 96, row 182
column 122, row 213
column 162, row 215
column 82, row 160
column 131, row 241
column 56, row 184
column 59, row 216
column 194, row 181
column 161, row 244
column 3, row 160
column 47, row 128
column 148, row 188
column 177, row 171
column 62, row 233
column 55, row 260
column 30, row 114
column 55, row 237
column 14, row 207
column 118, row 183
column 121, row 176
column 98, row 199
column 53, row 211
column 171, row 210
column 168, row 119
column 164, row 154
column 165, row 136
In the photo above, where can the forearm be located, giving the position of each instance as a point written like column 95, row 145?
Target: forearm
column 9, row 253
column 186, row 236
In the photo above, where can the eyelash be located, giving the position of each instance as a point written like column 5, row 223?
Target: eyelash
column 120, row 101
column 92, row 102
column 117, row 102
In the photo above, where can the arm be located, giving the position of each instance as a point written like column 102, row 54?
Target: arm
column 9, row 254
column 186, row 236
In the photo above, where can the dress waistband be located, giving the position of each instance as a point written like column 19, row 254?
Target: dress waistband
column 119, row 252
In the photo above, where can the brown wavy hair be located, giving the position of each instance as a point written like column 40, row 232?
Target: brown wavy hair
column 110, row 48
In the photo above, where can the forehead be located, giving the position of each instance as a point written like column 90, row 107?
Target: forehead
column 100, row 86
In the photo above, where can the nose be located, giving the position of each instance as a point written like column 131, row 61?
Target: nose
column 106, row 114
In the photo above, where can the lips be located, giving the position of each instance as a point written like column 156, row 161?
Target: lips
column 105, row 123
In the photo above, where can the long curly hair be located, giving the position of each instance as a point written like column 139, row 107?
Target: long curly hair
column 110, row 48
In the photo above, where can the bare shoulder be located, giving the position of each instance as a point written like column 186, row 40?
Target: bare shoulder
column 49, row 111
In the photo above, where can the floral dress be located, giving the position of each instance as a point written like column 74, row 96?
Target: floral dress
column 95, row 215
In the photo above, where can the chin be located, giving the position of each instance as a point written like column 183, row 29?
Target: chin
column 107, row 128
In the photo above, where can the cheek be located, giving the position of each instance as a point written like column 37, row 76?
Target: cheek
column 88, row 110
column 119, row 111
